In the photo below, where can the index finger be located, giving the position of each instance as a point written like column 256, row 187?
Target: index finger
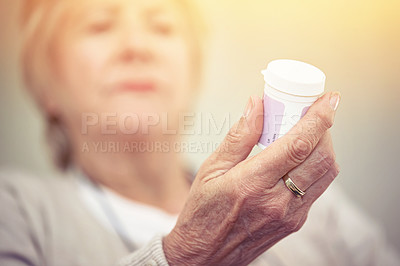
column 292, row 149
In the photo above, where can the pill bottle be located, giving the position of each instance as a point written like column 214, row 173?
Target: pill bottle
column 291, row 87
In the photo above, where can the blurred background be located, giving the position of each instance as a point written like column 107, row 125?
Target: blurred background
column 356, row 44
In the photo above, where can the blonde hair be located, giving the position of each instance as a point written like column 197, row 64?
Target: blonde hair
column 39, row 21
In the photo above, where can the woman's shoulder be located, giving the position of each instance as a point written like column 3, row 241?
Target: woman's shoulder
column 22, row 185
column 44, row 213
column 21, row 177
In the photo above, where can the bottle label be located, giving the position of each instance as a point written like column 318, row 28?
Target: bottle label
column 278, row 120
column 273, row 115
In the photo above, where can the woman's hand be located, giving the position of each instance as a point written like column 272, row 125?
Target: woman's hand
column 239, row 207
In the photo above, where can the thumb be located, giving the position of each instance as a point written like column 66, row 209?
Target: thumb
column 240, row 139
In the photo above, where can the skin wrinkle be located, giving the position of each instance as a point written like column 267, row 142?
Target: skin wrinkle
column 253, row 215
column 256, row 185
column 215, row 208
column 214, row 173
column 320, row 185
column 229, row 226
column 321, row 159
column 249, row 243
column 255, row 172
column 267, row 212
column 299, row 150
column 234, row 244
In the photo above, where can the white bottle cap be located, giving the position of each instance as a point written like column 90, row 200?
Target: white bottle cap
column 294, row 77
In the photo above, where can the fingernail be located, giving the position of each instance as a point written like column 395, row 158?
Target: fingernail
column 334, row 100
column 249, row 107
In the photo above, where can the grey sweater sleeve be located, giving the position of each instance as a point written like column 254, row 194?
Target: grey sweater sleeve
column 151, row 254
column 17, row 246
column 33, row 234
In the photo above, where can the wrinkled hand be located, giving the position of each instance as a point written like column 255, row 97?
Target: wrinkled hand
column 239, row 207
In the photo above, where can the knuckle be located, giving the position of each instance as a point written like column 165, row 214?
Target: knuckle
column 333, row 173
column 327, row 159
column 295, row 224
column 299, row 149
column 324, row 120
column 298, row 226
column 231, row 142
column 336, row 170
column 277, row 213
column 290, row 225
column 233, row 136
column 330, row 177
column 278, row 210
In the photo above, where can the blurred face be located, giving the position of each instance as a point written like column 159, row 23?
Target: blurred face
column 119, row 57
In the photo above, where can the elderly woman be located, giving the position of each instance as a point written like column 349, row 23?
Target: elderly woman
column 103, row 73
